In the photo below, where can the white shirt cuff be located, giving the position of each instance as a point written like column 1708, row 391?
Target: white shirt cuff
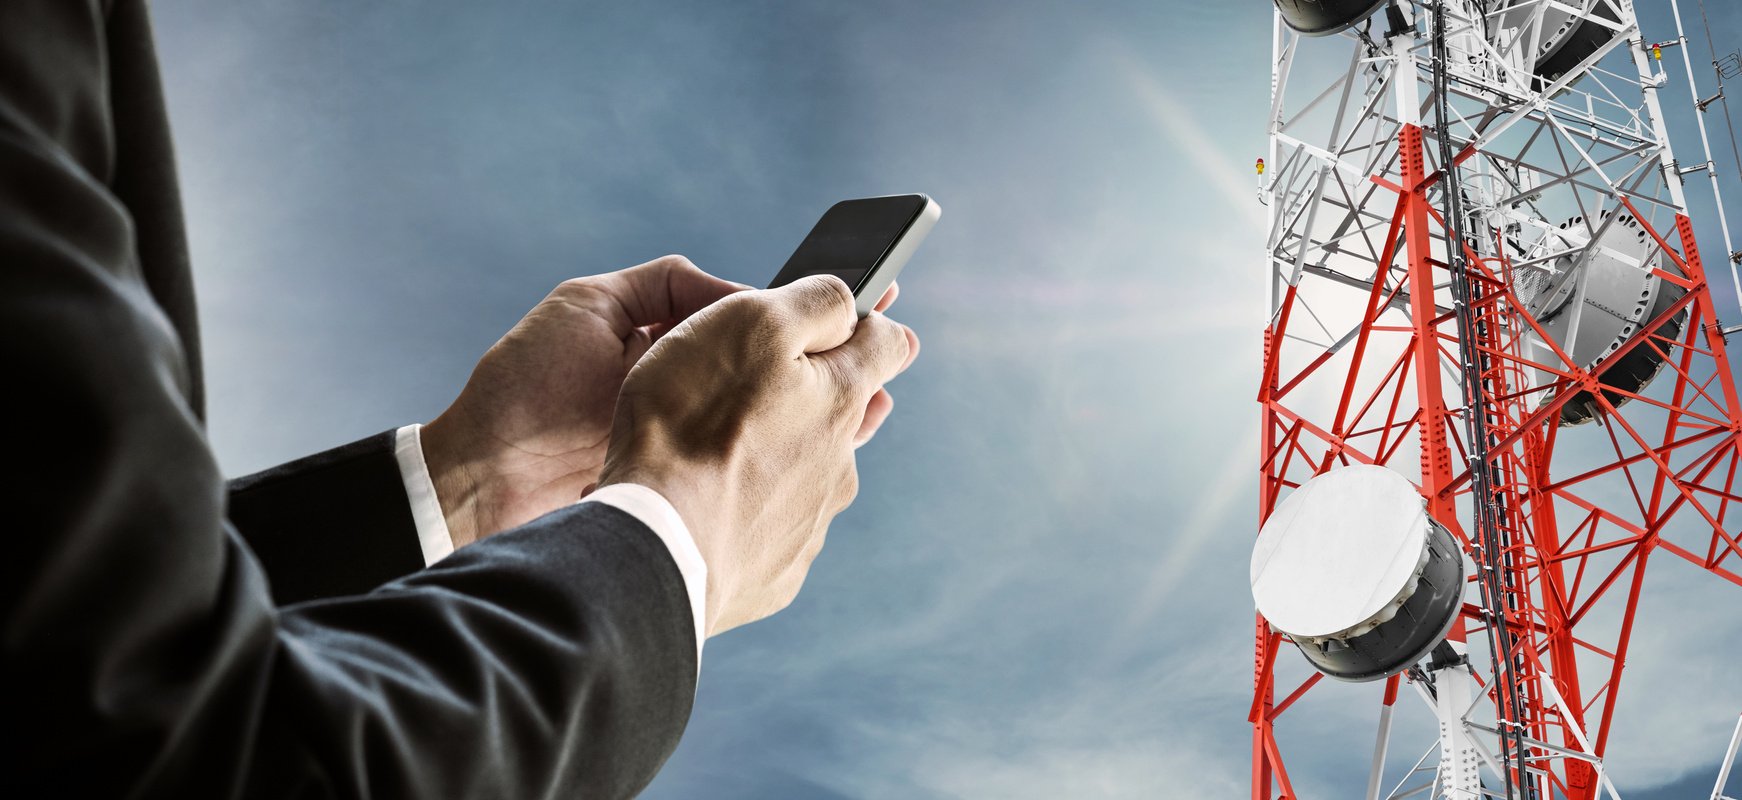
column 657, row 513
column 646, row 505
column 426, row 510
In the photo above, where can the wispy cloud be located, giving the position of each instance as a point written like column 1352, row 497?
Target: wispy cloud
column 1235, row 479
column 1188, row 132
column 1041, row 591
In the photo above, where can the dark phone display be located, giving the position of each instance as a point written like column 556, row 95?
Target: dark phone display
column 851, row 238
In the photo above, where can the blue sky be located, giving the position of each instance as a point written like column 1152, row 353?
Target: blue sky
column 1041, row 591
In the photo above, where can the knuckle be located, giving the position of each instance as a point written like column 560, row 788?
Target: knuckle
column 824, row 294
column 749, row 306
column 572, row 285
column 890, row 332
column 885, row 344
column 878, row 327
column 581, row 291
column 893, row 337
column 841, row 298
column 677, row 262
column 839, row 291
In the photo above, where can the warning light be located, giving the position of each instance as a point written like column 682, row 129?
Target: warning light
column 1260, row 166
column 1657, row 52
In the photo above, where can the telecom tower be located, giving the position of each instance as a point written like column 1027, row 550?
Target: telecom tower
column 1492, row 393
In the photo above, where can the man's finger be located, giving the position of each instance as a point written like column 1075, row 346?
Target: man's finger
column 639, row 340
column 876, row 352
column 659, row 329
column 817, row 312
column 667, row 289
column 912, row 349
column 876, row 412
column 888, row 298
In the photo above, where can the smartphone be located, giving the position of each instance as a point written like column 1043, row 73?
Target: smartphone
column 864, row 242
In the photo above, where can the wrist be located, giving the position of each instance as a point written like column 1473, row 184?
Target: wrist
column 699, row 507
column 455, row 476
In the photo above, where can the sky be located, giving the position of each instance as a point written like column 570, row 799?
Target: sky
column 1041, row 591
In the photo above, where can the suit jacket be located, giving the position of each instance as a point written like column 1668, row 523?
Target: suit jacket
column 167, row 636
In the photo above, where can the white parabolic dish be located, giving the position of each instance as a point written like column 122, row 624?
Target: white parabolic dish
column 1338, row 551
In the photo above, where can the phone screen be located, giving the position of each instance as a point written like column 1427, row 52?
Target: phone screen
column 851, row 239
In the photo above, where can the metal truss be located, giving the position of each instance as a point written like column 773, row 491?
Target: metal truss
column 1729, row 761
column 1371, row 336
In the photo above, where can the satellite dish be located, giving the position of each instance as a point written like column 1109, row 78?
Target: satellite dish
column 1565, row 39
column 1621, row 297
column 1325, row 17
column 1351, row 567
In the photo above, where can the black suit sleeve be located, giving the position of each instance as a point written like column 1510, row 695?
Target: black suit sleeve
column 334, row 523
column 141, row 653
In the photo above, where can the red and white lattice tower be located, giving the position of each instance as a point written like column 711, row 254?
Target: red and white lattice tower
column 1555, row 386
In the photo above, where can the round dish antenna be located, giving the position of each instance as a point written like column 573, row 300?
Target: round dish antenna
column 1324, row 17
column 1351, row 567
column 1592, row 310
column 1560, row 38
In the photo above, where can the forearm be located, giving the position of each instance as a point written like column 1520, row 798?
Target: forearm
column 151, row 659
column 334, row 523
column 556, row 656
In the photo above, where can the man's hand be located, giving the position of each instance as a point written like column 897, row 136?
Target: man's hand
column 746, row 417
column 529, row 433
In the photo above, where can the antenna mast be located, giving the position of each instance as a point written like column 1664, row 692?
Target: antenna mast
column 1483, row 279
